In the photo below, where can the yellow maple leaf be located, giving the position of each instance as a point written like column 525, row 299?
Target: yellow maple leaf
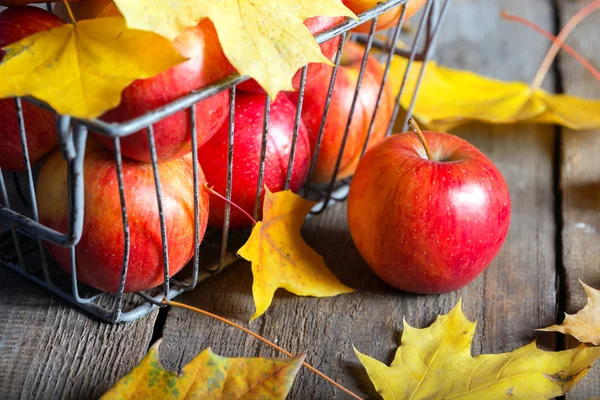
column 435, row 363
column 263, row 39
column 281, row 258
column 81, row 69
column 208, row 376
column 585, row 325
column 449, row 98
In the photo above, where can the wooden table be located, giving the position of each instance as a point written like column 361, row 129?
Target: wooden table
column 49, row 349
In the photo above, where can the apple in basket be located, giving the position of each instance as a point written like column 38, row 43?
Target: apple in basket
column 315, row 25
column 339, row 110
column 249, row 118
column 386, row 20
column 100, row 250
column 15, row 24
column 428, row 221
column 206, row 64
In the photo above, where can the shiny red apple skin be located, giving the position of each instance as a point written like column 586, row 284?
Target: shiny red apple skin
column 100, row 251
column 428, row 226
column 339, row 110
column 388, row 19
column 249, row 118
column 15, row 24
column 207, row 64
column 315, row 25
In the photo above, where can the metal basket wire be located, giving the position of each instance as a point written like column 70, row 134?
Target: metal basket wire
column 21, row 247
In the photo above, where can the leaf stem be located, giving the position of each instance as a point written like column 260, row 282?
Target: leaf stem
column 225, row 199
column 562, row 36
column 262, row 339
column 71, row 16
column 557, row 41
column 415, row 127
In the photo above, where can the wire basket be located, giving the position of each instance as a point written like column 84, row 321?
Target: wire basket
column 22, row 235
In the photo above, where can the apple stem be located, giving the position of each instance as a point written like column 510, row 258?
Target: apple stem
column 415, row 127
column 262, row 339
column 225, row 199
column 559, row 42
column 71, row 16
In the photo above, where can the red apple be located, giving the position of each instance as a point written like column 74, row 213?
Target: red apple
column 386, row 20
column 207, row 64
column 428, row 226
column 337, row 118
column 100, row 251
column 249, row 118
column 315, row 25
column 16, row 24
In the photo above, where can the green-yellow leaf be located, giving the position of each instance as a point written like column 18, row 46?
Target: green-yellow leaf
column 281, row 258
column 81, row 70
column 263, row 39
column 585, row 325
column 436, row 363
column 449, row 98
column 208, row 376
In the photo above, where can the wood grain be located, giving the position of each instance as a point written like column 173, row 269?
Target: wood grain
column 50, row 350
column 516, row 295
column 580, row 181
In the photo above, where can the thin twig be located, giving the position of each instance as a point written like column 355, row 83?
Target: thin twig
column 562, row 36
column 262, row 339
column 556, row 41
column 225, row 199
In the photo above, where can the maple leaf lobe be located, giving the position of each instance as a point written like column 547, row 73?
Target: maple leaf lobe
column 281, row 258
column 89, row 63
column 263, row 39
column 435, row 362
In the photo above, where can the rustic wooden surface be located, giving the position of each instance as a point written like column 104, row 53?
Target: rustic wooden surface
column 50, row 350
column 516, row 295
column 580, row 182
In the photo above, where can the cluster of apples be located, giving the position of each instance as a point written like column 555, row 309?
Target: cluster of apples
column 425, row 221
column 100, row 252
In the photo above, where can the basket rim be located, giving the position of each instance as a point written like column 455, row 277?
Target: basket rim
column 129, row 127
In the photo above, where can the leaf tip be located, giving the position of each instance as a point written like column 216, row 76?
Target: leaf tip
column 359, row 354
column 299, row 358
column 260, row 310
column 588, row 289
column 405, row 324
column 457, row 310
column 156, row 344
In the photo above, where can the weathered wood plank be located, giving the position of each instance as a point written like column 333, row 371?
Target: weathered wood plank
column 50, row 350
column 516, row 295
column 518, row 292
column 580, row 181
